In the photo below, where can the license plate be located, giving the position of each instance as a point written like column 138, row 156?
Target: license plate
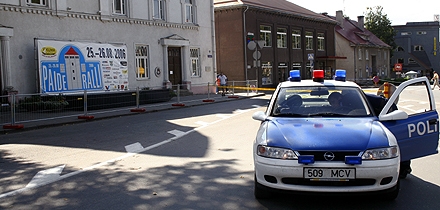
column 322, row 174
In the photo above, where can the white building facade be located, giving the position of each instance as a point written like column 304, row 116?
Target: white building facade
column 52, row 46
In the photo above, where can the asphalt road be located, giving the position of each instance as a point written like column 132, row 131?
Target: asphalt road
column 190, row 158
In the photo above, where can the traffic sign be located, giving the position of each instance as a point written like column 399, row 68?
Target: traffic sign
column 398, row 67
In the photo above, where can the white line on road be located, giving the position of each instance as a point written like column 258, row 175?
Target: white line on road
column 53, row 175
column 133, row 148
column 46, row 176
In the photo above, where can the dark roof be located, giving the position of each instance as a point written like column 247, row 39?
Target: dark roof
column 281, row 6
column 357, row 35
column 419, row 24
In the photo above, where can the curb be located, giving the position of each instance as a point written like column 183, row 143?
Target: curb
column 90, row 118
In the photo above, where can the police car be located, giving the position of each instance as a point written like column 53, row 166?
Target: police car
column 330, row 136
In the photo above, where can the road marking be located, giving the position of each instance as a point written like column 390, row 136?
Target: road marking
column 46, row 176
column 53, row 175
column 133, row 148
column 202, row 123
column 177, row 133
column 224, row 116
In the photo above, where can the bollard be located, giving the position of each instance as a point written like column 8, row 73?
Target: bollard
column 233, row 92
column 85, row 116
column 137, row 109
column 247, row 87
column 13, row 125
column 178, row 98
column 209, row 98
column 386, row 90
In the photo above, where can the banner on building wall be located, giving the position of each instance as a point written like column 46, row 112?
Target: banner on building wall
column 77, row 66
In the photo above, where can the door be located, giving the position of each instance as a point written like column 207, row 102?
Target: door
column 418, row 135
column 174, row 66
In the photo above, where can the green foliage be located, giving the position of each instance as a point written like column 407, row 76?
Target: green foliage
column 37, row 102
column 379, row 24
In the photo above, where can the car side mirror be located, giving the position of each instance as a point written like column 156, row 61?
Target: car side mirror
column 394, row 115
column 260, row 116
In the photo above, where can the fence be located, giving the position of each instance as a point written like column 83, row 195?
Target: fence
column 19, row 109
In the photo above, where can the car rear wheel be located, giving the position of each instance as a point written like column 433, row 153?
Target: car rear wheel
column 260, row 191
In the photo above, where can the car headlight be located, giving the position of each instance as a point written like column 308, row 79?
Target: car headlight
column 275, row 152
column 381, row 153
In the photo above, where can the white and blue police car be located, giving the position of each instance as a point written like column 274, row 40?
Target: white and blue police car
column 329, row 136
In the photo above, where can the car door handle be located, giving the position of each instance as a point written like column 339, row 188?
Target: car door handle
column 433, row 121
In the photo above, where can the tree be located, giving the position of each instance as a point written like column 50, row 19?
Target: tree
column 379, row 24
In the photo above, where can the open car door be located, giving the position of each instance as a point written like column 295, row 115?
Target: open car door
column 417, row 135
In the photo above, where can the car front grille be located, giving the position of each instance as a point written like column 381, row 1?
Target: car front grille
column 350, row 182
column 338, row 156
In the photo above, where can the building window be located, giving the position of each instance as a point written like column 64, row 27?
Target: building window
column 385, row 55
column 400, row 60
column 159, row 9
column 309, row 40
column 360, row 54
column 195, row 62
column 142, row 70
column 418, row 48
column 421, row 32
column 321, row 42
column 119, row 7
column 367, row 55
column 282, row 38
column 296, row 39
column 189, row 11
column 411, row 61
column 296, row 66
column 37, row 2
column 266, row 78
column 400, row 49
column 266, row 35
column 405, row 33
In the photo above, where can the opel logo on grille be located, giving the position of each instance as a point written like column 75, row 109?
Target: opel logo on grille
column 329, row 156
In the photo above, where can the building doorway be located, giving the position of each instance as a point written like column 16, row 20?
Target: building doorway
column 175, row 66
column 283, row 73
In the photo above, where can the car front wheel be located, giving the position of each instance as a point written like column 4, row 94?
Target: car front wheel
column 389, row 196
column 260, row 191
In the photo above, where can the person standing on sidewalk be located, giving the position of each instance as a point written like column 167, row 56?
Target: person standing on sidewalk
column 223, row 80
column 217, row 84
column 435, row 80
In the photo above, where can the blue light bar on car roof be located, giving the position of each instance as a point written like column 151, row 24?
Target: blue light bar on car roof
column 306, row 159
column 294, row 76
column 353, row 160
column 340, row 75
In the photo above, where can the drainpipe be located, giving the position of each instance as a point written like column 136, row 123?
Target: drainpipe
column 214, row 57
column 244, row 38
column 354, row 58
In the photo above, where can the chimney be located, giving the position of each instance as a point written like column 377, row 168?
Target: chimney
column 361, row 22
column 340, row 18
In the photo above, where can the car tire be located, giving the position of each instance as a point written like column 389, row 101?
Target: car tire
column 405, row 169
column 392, row 195
column 260, row 191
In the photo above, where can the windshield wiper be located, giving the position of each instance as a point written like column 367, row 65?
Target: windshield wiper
column 289, row 115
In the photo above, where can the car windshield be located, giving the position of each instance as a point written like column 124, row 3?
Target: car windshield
column 320, row 101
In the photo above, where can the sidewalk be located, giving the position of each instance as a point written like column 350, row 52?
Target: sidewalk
column 174, row 103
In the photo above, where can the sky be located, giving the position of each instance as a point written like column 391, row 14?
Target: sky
column 399, row 13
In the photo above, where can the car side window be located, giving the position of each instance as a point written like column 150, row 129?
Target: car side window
column 419, row 103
